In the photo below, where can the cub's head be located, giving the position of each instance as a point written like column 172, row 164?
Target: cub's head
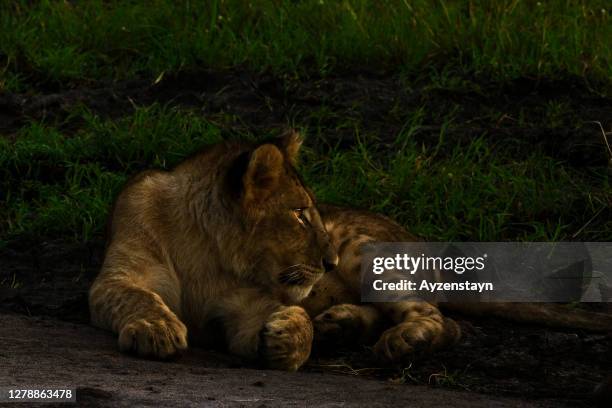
column 284, row 246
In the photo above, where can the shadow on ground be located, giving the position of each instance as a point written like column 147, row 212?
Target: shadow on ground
column 46, row 341
column 42, row 351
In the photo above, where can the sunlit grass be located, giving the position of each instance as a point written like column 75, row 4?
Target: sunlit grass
column 82, row 41
column 471, row 194
column 64, row 186
column 56, row 182
column 59, row 185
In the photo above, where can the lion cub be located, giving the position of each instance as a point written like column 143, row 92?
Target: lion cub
column 231, row 248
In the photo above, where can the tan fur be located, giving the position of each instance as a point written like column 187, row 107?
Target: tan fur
column 410, row 326
column 230, row 238
column 230, row 248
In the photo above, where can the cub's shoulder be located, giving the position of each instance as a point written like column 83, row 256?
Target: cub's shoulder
column 145, row 180
column 142, row 197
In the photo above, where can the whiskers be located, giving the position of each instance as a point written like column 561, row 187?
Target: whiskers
column 298, row 274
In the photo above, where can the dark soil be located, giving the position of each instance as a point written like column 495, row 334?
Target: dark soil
column 380, row 105
column 45, row 337
column 39, row 351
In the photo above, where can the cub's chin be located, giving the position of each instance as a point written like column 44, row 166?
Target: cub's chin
column 296, row 282
column 296, row 294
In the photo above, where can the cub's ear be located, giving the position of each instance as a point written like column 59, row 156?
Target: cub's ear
column 290, row 143
column 262, row 174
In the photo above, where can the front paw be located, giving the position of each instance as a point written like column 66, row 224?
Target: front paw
column 286, row 339
column 157, row 337
column 338, row 325
column 422, row 335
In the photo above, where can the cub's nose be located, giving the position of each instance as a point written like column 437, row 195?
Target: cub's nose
column 330, row 263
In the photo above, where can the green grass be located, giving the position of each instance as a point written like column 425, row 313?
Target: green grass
column 59, row 181
column 56, row 185
column 63, row 185
column 471, row 194
column 75, row 42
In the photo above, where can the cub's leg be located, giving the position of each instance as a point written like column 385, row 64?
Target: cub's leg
column 135, row 297
column 348, row 324
column 258, row 327
column 419, row 327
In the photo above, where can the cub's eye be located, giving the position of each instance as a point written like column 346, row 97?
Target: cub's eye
column 301, row 215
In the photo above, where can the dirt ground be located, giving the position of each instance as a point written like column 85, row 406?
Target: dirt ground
column 379, row 103
column 42, row 351
column 45, row 340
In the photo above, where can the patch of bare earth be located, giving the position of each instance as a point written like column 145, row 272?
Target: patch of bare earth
column 44, row 352
column 45, row 339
